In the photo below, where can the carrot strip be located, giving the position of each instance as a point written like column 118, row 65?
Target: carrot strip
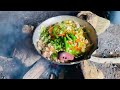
column 69, row 42
column 50, row 29
column 61, row 35
column 77, row 40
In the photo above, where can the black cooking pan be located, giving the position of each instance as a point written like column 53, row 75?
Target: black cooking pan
column 88, row 27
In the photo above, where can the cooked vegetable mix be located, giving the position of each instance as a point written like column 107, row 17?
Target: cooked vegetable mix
column 67, row 36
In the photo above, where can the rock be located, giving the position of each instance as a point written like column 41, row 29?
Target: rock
column 90, row 71
column 90, row 17
column 105, row 60
column 1, row 68
column 24, row 52
column 11, row 68
column 24, row 49
column 27, row 29
column 108, row 69
column 100, row 24
column 109, row 42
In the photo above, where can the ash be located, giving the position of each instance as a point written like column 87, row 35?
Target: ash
column 109, row 42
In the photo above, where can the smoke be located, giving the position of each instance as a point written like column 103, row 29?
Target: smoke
column 11, row 23
column 10, row 32
column 12, row 68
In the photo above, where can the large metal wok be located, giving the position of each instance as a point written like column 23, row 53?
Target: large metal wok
column 89, row 28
